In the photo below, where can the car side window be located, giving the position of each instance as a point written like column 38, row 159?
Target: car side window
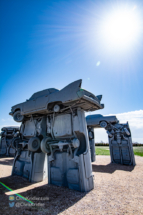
column 39, row 94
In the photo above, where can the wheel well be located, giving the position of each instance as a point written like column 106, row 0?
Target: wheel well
column 104, row 121
column 52, row 104
column 16, row 110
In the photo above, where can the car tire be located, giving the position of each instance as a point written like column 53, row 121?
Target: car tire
column 103, row 124
column 44, row 146
column 18, row 117
column 14, row 144
column 34, row 144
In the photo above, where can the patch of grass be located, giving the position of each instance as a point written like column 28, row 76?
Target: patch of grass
column 104, row 150
column 138, row 151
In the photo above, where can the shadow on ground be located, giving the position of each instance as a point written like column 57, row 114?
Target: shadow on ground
column 13, row 182
column 60, row 198
column 110, row 168
column 8, row 162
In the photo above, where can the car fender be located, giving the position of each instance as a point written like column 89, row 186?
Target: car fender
column 68, row 93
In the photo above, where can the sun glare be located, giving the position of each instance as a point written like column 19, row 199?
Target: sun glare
column 121, row 27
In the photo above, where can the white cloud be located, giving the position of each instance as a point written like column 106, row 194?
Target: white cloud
column 135, row 119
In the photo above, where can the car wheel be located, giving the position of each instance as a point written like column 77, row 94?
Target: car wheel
column 103, row 124
column 44, row 145
column 33, row 144
column 18, row 117
column 14, row 145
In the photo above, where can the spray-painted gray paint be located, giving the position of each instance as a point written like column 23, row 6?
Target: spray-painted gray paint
column 91, row 143
column 54, row 141
column 29, row 161
column 119, row 135
column 96, row 121
column 69, row 152
column 30, row 165
column 43, row 102
column 54, row 126
column 120, row 143
column 7, row 134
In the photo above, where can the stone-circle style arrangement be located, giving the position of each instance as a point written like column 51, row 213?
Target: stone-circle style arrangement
column 56, row 141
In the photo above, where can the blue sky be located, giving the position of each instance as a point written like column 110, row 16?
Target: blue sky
column 47, row 44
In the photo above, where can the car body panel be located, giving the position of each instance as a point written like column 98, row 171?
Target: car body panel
column 29, row 106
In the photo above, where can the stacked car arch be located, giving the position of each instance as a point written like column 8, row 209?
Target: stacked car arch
column 53, row 140
column 119, row 135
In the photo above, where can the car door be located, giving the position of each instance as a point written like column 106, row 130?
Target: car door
column 29, row 106
column 41, row 102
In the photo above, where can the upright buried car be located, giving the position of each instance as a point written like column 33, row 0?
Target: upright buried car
column 8, row 133
column 53, row 100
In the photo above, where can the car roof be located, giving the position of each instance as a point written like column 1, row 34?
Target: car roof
column 10, row 128
column 43, row 92
column 94, row 116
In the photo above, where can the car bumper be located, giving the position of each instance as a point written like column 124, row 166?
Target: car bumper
column 11, row 113
column 92, row 101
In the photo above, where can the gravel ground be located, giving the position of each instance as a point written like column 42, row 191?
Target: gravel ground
column 118, row 190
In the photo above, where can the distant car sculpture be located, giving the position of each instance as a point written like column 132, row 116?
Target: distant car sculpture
column 54, row 124
column 119, row 135
column 99, row 121
column 7, row 134
column 120, row 143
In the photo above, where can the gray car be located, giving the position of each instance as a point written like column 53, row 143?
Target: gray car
column 99, row 121
column 53, row 100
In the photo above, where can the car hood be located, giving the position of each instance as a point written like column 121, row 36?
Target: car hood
column 17, row 106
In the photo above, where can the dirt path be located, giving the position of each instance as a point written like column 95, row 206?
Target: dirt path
column 118, row 190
